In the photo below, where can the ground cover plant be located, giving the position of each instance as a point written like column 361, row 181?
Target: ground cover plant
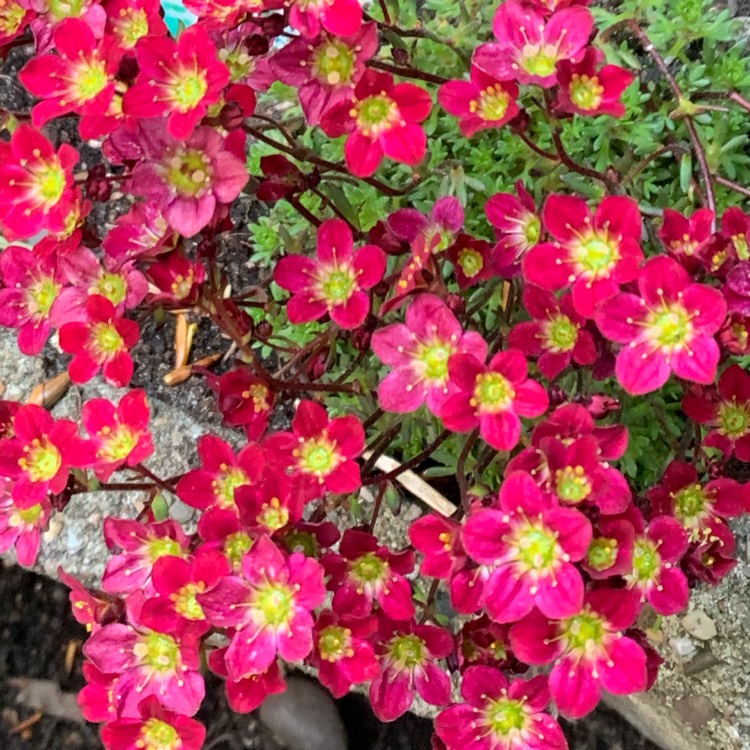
column 502, row 244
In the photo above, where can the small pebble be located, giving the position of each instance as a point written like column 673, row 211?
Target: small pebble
column 699, row 625
column 683, row 647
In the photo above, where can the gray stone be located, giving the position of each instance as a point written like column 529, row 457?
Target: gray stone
column 699, row 625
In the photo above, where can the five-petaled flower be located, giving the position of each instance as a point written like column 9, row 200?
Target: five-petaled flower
column 336, row 282
column 339, row 17
column 670, row 327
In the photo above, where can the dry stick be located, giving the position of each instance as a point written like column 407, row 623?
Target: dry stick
column 700, row 152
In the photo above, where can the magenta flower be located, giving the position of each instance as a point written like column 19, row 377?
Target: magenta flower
column 148, row 662
column 481, row 103
column 36, row 184
column 140, row 545
column 187, row 179
column 366, row 572
column 670, row 327
column 338, row 17
column 176, row 279
column 471, row 258
column 533, row 546
column 698, row 507
column 335, row 282
column 492, row 397
column 343, row 654
column 80, row 78
column 129, row 21
column 593, row 254
column 21, row 524
column 142, row 231
column 727, row 410
column 517, row 227
column 320, row 451
column 269, row 607
column 381, row 120
column 498, row 715
column 419, row 352
column 178, row 80
column 155, row 729
column 15, row 16
column 589, row 651
column 556, row 335
column 588, row 88
column 409, row 655
column 272, row 506
column 529, row 47
column 103, row 342
column 659, row 547
column 40, row 454
column 714, row 557
column 611, row 550
column 119, row 434
column 439, row 540
column 325, row 70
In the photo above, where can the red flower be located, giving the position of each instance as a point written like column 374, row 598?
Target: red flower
column 156, row 729
column 714, row 558
column 419, row 352
column 517, row 227
column 36, row 184
column 698, row 507
column 484, row 102
column 90, row 608
column 319, row 450
column 439, row 540
column 15, row 16
column 589, row 651
column 611, row 550
column 41, row 453
column 269, row 607
column 325, row 70
column 726, row 409
column 381, row 120
column 409, row 666
column 129, row 21
column 528, row 47
column 471, row 260
column 339, row 17
column 594, row 254
column 556, row 334
column 498, row 715
column 80, row 78
column 142, row 231
column 335, row 281
column 533, row 546
column 687, row 239
column 367, row 572
column 103, row 342
column 119, row 433
column 670, row 327
column 588, row 88
column 343, row 654
column 492, row 397
column 177, row 279
column 21, row 524
column 178, row 80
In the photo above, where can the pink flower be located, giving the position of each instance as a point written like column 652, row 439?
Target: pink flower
column 727, row 410
column 594, row 254
column 659, row 547
column 178, row 80
column 670, row 327
column 21, row 524
column 140, row 545
column 533, row 546
column 419, row 352
column 339, row 17
column 381, row 120
column 155, row 729
column 272, row 506
column 498, row 715
column 589, row 651
column 320, row 451
column 492, row 397
column 36, row 184
column 611, row 550
column 142, row 231
column 439, row 540
column 325, row 69
column 366, row 572
column 714, row 557
column 269, row 607
column 148, row 662
column 697, row 506
column 557, row 334
column 129, row 21
column 335, row 282
column 80, row 78
column 588, row 88
column 409, row 666
column 119, row 434
column 41, row 453
column 90, row 608
column 685, row 239
column 528, row 47
column 188, row 178
column 343, row 654
column 481, row 103
column 483, row 642
column 517, row 227
column 103, row 342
